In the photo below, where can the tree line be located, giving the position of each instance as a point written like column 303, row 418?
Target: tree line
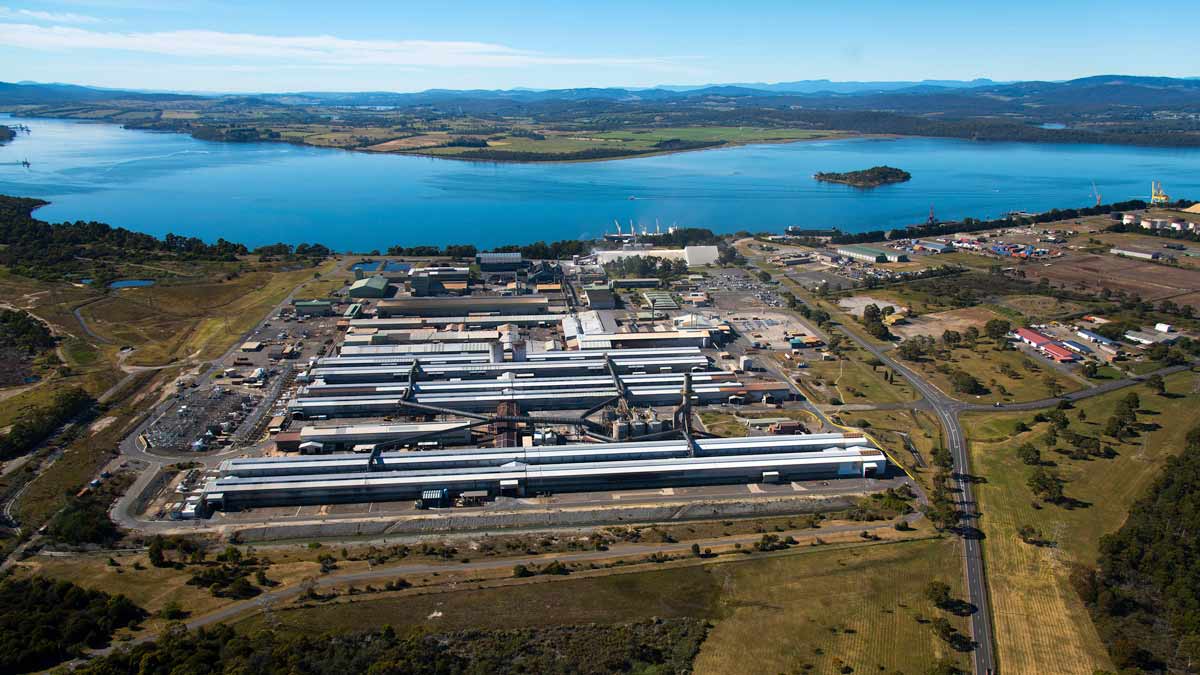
column 1144, row 595
column 657, row 646
column 646, row 266
column 939, row 229
column 21, row 330
column 38, row 423
column 48, row 251
column 44, row 622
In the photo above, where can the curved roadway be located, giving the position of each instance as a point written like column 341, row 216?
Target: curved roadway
column 948, row 410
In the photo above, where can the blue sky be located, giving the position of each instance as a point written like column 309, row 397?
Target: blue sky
column 272, row 46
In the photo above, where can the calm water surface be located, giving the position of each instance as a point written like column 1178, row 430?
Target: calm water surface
column 264, row 193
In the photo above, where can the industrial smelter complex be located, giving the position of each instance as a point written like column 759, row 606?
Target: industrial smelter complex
column 489, row 396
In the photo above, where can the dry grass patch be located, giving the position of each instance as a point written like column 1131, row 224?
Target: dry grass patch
column 858, row 607
column 939, row 322
column 1041, row 625
column 1009, row 375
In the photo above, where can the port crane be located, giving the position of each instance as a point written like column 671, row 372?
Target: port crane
column 1157, row 196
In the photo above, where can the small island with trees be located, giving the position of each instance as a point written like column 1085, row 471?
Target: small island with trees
column 867, row 178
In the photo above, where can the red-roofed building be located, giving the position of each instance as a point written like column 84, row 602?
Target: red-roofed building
column 1059, row 353
column 1033, row 337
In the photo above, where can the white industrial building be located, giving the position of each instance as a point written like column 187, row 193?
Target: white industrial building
column 694, row 256
column 253, row 482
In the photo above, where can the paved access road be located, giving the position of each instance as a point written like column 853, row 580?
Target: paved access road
column 948, row 410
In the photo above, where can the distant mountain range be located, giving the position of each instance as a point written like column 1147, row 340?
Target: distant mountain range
column 980, row 96
column 833, row 87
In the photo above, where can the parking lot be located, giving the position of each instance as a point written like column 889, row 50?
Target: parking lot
column 737, row 289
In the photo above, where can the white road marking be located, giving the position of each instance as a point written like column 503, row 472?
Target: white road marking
column 756, row 489
column 798, row 487
column 668, row 491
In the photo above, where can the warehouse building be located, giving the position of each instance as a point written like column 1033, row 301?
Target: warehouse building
column 320, row 388
column 442, row 274
column 491, row 350
column 423, row 287
column 570, row 368
column 600, row 298
column 419, row 335
column 1077, row 347
column 577, row 355
column 369, row 287
column 532, row 395
column 1135, row 253
column 1060, row 353
column 313, row 307
column 694, row 256
column 659, row 300
column 673, row 338
column 1147, row 338
column 1097, row 338
column 932, row 246
column 245, row 483
column 499, row 262
column 1033, row 338
column 464, row 306
column 472, row 321
column 871, row 254
column 356, row 436
column 636, row 283
column 400, row 360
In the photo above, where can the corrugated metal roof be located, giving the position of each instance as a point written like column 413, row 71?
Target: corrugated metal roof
column 378, row 283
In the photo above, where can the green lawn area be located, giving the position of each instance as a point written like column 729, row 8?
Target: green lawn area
column 723, row 424
column 1041, row 624
column 851, row 379
column 859, row 605
column 1009, row 376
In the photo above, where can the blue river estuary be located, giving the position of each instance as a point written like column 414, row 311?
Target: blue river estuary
column 263, row 193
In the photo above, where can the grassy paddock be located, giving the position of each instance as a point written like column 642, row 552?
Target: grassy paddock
column 1041, row 624
column 861, row 605
column 851, row 379
column 988, row 366
column 175, row 321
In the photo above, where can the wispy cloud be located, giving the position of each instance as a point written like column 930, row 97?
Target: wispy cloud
column 317, row 49
column 11, row 14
